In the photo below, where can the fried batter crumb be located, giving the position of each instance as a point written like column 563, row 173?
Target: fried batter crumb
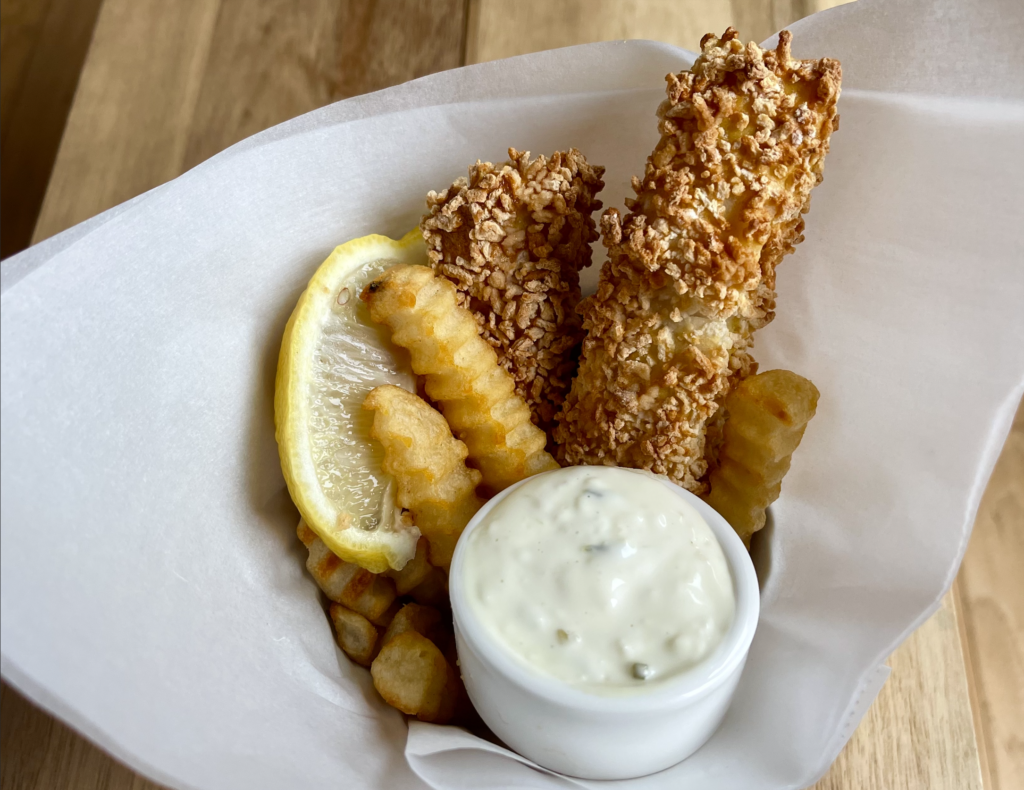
column 513, row 239
column 691, row 269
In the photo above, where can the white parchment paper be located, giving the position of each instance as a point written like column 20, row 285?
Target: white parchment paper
column 153, row 591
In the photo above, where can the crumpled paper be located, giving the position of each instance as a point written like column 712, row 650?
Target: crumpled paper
column 153, row 590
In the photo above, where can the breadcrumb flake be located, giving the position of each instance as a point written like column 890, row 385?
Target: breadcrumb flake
column 512, row 239
column 691, row 269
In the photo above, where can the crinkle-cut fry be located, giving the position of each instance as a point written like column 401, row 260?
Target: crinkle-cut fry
column 766, row 416
column 346, row 583
column 357, row 636
column 416, row 570
column 690, row 273
column 429, row 467
column 411, row 674
column 477, row 397
column 512, row 239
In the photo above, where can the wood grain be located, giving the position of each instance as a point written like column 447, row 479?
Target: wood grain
column 972, row 685
column 919, row 733
column 757, row 21
column 41, row 753
column 276, row 59
column 21, row 26
column 499, row 29
column 43, row 46
column 128, row 126
column 992, row 586
column 170, row 84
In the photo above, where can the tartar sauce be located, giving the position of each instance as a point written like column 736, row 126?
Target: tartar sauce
column 601, row 577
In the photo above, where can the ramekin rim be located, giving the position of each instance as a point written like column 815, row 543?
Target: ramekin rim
column 678, row 692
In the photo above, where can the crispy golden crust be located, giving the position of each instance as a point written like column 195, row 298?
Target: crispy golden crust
column 513, row 239
column 766, row 416
column 416, row 571
column 412, row 674
column 691, row 270
column 356, row 635
column 461, row 373
column 369, row 594
column 428, row 465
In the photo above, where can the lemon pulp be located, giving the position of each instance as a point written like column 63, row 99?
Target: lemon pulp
column 332, row 355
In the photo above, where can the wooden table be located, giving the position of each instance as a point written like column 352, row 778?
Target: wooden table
column 167, row 84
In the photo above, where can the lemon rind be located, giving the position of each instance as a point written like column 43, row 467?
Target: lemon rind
column 366, row 549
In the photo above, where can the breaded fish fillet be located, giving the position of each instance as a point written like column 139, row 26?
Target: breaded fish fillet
column 513, row 239
column 691, row 270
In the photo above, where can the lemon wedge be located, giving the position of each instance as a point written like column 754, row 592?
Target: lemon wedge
column 332, row 355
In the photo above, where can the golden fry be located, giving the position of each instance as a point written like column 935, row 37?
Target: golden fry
column 512, row 239
column 765, row 419
column 416, row 570
column 462, row 375
column 429, row 467
column 425, row 620
column 344, row 582
column 442, row 549
column 357, row 636
column 411, row 674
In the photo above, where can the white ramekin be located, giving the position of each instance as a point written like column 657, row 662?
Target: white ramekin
column 580, row 734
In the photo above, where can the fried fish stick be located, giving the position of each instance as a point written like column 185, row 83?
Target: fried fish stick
column 429, row 466
column 513, row 239
column 461, row 373
column 766, row 416
column 691, row 269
